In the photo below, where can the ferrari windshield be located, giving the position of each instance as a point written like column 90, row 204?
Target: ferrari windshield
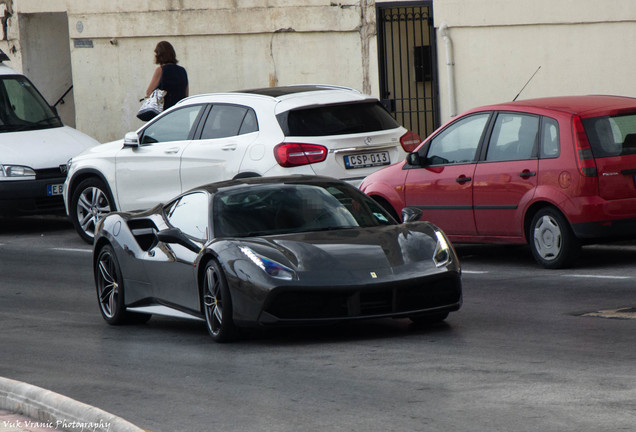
column 22, row 107
column 291, row 208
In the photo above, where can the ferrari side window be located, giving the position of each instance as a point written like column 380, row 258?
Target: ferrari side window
column 190, row 214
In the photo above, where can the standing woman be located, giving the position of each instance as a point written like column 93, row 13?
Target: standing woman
column 168, row 76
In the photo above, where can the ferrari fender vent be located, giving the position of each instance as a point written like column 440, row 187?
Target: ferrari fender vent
column 144, row 232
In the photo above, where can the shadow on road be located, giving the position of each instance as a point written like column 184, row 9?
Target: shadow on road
column 34, row 224
column 610, row 255
column 163, row 329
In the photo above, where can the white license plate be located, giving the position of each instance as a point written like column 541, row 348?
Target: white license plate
column 54, row 189
column 364, row 160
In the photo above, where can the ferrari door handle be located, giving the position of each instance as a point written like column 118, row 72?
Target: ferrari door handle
column 229, row 147
column 527, row 174
column 463, row 179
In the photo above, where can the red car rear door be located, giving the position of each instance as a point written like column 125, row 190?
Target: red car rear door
column 507, row 178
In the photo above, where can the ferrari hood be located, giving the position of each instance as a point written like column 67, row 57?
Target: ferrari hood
column 351, row 250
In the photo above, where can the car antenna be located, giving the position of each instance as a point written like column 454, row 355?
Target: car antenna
column 535, row 72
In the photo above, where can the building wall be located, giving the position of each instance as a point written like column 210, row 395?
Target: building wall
column 224, row 45
column 582, row 47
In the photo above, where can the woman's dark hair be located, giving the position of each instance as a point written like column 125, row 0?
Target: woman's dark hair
column 164, row 53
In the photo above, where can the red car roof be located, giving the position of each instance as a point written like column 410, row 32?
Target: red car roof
column 585, row 106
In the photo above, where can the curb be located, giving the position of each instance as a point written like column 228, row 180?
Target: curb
column 62, row 412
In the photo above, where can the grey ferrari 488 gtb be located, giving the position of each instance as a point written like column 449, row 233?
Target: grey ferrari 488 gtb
column 267, row 251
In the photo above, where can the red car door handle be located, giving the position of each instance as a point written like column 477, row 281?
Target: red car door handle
column 463, row 179
column 527, row 174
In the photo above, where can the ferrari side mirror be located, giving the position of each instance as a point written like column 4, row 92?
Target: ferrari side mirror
column 411, row 214
column 176, row 236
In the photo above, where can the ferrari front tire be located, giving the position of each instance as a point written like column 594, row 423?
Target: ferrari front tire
column 217, row 304
column 90, row 202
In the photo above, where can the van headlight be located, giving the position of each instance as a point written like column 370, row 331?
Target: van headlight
column 15, row 172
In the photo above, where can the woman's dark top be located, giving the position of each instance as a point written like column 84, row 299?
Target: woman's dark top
column 174, row 80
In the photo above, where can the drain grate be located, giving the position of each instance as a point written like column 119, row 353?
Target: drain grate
column 620, row 313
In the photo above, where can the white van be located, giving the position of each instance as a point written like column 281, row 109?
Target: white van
column 34, row 148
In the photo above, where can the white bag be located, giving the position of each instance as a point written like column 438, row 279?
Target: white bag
column 152, row 105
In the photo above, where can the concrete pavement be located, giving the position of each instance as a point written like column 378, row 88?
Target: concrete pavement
column 27, row 408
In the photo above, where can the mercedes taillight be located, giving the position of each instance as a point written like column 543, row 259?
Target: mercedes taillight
column 295, row 154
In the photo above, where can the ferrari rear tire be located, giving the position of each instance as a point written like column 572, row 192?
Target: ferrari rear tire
column 110, row 287
column 90, row 202
column 217, row 304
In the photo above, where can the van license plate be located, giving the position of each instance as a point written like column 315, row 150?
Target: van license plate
column 54, row 189
column 365, row 160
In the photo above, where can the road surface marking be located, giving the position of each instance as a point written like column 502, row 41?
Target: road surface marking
column 596, row 276
column 72, row 249
column 621, row 313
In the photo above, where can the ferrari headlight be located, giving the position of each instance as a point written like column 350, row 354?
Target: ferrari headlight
column 269, row 266
column 442, row 255
column 15, row 171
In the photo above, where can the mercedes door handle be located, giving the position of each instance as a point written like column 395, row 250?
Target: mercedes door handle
column 228, row 147
column 171, row 150
column 463, row 179
column 527, row 174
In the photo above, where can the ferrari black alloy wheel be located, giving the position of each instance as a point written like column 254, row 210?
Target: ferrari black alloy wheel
column 217, row 304
column 110, row 288
column 110, row 291
column 90, row 202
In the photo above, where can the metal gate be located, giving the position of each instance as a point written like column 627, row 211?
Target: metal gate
column 408, row 66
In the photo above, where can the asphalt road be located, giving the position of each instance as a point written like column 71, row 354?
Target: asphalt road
column 519, row 356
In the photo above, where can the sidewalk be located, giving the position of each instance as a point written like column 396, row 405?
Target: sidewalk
column 27, row 408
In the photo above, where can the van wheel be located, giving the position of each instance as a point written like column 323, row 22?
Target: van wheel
column 551, row 239
column 90, row 202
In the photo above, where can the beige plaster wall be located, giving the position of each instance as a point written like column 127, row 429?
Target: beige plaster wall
column 224, row 45
column 582, row 47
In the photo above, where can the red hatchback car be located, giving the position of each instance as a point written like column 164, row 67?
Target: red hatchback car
column 553, row 172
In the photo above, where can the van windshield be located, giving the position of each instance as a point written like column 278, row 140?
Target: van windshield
column 22, row 107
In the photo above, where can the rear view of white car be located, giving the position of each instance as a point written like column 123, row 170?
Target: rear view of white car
column 310, row 129
column 34, row 148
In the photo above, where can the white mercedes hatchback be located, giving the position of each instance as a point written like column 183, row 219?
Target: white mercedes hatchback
column 309, row 129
